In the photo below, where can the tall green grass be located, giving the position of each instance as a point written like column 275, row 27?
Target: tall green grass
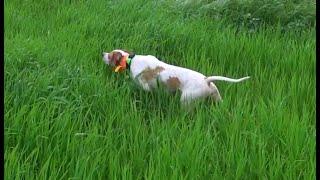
column 67, row 116
column 290, row 15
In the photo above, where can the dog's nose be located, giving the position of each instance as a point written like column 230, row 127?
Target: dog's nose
column 102, row 54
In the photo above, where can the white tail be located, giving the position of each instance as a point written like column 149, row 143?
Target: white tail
column 221, row 78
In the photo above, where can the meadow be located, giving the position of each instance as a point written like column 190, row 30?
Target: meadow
column 68, row 116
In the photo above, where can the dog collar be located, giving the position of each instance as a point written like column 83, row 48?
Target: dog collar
column 125, row 63
column 129, row 60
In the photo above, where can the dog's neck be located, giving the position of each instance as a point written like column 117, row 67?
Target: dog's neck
column 129, row 60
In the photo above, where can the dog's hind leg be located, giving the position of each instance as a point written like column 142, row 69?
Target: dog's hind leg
column 215, row 93
column 188, row 96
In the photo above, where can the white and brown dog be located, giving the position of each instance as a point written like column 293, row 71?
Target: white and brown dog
column 149, row 72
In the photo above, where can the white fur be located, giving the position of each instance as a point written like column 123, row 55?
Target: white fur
column 193, row 85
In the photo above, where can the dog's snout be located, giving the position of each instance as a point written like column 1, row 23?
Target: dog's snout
column 102, row 54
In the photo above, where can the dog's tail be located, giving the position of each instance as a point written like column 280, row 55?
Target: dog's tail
column 221, row 78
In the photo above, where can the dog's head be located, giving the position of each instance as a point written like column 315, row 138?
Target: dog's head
column 114, row 57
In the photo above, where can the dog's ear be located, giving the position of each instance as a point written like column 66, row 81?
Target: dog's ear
column 116, row 57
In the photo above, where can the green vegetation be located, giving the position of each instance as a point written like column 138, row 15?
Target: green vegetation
column 290, row 15
column 68, row 116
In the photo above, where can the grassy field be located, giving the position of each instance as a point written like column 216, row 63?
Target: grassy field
column 67, row 116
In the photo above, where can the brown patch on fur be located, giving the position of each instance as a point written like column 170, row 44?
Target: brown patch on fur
column 115, row 57
column 149, row 74
column 173, row 83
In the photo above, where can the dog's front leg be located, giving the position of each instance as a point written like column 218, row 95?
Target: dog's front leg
column 145, row 86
